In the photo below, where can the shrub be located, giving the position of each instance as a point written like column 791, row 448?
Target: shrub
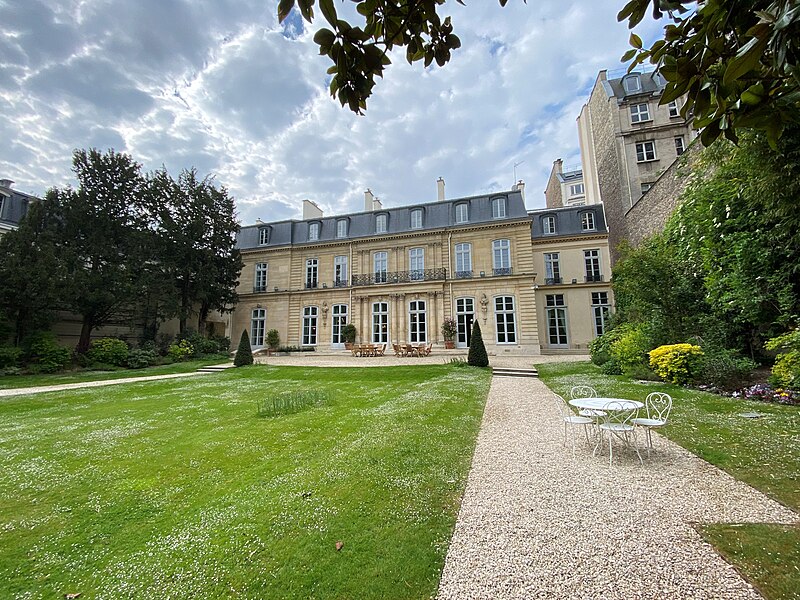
column 141, row 358
column 786, row 371
column 349, row 333
column 183, row 350
column 676, row 363
column 725, row 369
column 46, row 355
column 450, row 329
column 273, row 339
column 163, row 342
column 203, row 345
column 477, row 356
column 223, row 343
column 600, row 347
column 611, row 367
column 9, row 356
column 244, row 354
column 110, row 351
column 630, row 347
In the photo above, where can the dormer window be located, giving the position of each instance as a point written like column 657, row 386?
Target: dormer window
column 381, row 223
column 587, row 221
column 263, row 236
column 462, row 213
column 632, row 84
column 549, row 225
column 498, row 208
column 341, row 228
column 313, row 232
column 416, row 218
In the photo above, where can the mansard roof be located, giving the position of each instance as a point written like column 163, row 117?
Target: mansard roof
column 568, row 221
column 435, row 216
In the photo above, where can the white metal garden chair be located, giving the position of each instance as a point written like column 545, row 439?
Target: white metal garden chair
column 570, row 418
column 618, row 423
column 658, row 406
column 585, row 391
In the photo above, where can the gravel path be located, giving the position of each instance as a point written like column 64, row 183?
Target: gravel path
column 536, row 523
column 87, row 384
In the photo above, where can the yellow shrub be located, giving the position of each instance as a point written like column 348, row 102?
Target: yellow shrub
column 677, row 363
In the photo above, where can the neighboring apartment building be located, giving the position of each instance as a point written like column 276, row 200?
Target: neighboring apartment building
column 397, row 273
column 566, row 187
column 627, row 141
column 13, row 206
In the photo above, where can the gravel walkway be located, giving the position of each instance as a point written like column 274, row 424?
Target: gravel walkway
column 536, row 523
column 87, row 384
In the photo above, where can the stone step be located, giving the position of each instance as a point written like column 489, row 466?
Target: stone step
column 509, row 372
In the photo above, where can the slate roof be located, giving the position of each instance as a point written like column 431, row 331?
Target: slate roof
column 651, row 84
column 435, row 215
column 14, row 207
column 568, row 221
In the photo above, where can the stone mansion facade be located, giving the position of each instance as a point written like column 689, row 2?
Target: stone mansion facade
column 537, row 282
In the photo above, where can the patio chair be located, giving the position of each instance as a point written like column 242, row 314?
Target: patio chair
column 618, row 423
column 585, row 391
column 570, row 418
column 426, row 351
column 380, row 350
column 658, row 406
column 398, row 351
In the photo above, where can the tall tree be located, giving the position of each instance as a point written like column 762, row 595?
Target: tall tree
column 196, row 227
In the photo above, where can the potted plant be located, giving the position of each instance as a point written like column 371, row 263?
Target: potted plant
column 273, row 340
column 449, row 330
column 349, row 335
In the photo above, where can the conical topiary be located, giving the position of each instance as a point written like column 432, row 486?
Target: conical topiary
column 477, row 356
column 244, row 355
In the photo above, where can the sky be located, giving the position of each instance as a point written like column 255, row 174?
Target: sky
column 221, row 86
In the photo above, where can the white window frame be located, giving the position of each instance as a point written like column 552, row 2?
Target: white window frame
column 380, row 320
column 501, row 257
column 576, row 189
column 339, row 314
column 341, row 228
column 380, row 259
column 556, row 316
column 258, row 327
column 549, row 225
column 646, row 151
column 416, row 218
column 260, row 278
column 463, row 260
column 640, row 113
column 591, row 262
column 381, row 223
column 313, row 231
column 310, row 333
column 552, row 268
column 462, row 213
column 680, row 145
column 587, row 221
column 674, row 110
column 416, row 264
column 630, row 79
column 340, row 271
column 312, row 273
column 417, row 322
column 601, row 310
column 263, row 236
column 505, row 320
column 498, row 208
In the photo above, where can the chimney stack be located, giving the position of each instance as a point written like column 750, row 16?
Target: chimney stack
column 6, row 183
column 369, row 200
column 440, row 189
column 376, row 204
column 311, row 210
column 520, row 187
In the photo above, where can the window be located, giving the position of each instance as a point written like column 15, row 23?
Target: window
column 632, row 84
column 381, row 223
column 501, row 257
column 673, row 109
column 416, row 263
column 646, row 187
column 381, row 263
column 549, row 225
column 504, row 320
column 576, row 189
column 417, row 323
column 645, row 151
column 587, row 221
column 556, row 315
column 552, row 268
column 339, row 271
column 341, row 228
column 679, row 146
column 263, row 236
column 463, row 261
column 260, row 282
column 498, row 208
column 310, row 326
column 313, row 232
column 591, row 259
column 416, row 218
column 465, row 315
column 339, row 320
column 380, row 322
column 462, row 212
column 258, row 322
column 600, row 312
column 640, row 113
column 312, row 267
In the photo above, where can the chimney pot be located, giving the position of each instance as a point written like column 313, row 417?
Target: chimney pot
column 440, row 188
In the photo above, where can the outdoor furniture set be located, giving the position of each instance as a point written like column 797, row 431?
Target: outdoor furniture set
column 368, row 349
column 403, row 350
column 609, row 418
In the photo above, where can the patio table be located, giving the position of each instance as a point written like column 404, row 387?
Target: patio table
column 600, row 403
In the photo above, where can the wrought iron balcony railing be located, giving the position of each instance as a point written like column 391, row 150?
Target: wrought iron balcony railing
column 552, row 280
column 594, row 277
column 503, row 271
column 463, row 274
column 258, row 289
column 400, row 276
column 340, row 283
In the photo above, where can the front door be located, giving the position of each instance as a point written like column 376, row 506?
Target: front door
column 339, row 315
column 465, row 315
column 380, row 322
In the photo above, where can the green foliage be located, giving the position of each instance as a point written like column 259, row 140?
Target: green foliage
column 141, row 358
column 110, row 351
column 477, row 356
column 611, row 367
column 600, row 347
column 10, row 356
column 676, row 363
column 629, row 349
column 786, row 370
column 183, row 350
column 204, row 346
column 287, row 403
column 244, row 354
column 349, row 333
column 46, row 355
column 449, row 329
column 274, row 339
column 725, row 369
column 736, row 66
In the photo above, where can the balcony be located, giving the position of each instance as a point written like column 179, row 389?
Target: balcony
column 593, row 277
column 339, row 283
column 463, row 274
column 311, row 284
column 552, row 280
column 259, row 289
column 400, row 277
column 502, row 271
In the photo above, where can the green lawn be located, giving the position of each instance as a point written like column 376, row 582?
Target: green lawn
column 764, row 453
column 178, row 489
column 24, row 381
